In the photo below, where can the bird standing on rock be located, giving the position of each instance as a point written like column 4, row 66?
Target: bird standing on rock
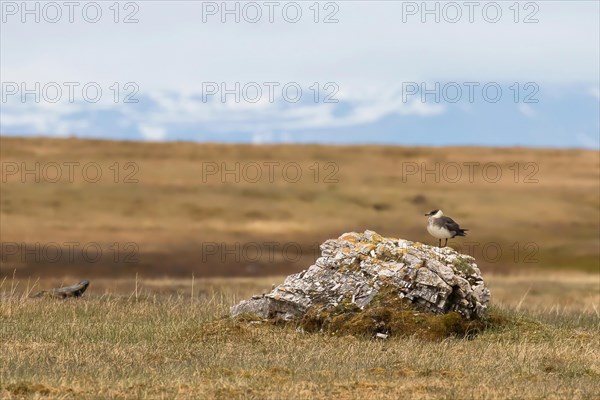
column 442, row 227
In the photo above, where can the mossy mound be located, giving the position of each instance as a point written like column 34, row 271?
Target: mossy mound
column 390, row 315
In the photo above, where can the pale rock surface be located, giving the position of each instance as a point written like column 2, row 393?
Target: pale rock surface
column 356, row 266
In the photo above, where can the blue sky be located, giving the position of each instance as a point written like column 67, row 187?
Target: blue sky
column 533, row 70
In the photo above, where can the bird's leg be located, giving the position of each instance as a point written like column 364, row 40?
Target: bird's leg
column 439, row 242
column 446, row 243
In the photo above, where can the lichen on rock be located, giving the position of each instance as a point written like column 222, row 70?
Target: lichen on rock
column 357, row 269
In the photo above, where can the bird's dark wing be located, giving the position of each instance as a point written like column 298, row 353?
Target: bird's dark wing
column 450, row 224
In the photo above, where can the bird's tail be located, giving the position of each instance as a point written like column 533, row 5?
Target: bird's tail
column 462, row 232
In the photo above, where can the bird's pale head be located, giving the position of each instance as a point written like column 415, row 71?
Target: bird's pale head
column 435, row 213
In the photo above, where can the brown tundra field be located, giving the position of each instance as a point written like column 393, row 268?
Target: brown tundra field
column 171, row 235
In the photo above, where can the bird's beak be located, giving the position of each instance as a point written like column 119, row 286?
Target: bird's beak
column 427, row 215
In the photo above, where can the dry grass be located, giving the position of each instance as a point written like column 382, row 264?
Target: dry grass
column 169, row 338
column 159, row 341
column 171, row 212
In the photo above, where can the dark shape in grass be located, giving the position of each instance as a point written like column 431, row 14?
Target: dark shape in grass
column 27, row 388
column 75, row 290
column 419, row 199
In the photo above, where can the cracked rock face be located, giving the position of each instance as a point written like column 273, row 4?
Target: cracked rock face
column 356, row 266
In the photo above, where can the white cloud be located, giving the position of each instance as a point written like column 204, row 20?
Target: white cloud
column 371, row 106
column 262, row 137
column 527, row 110
column 152, row 133
column 53, row 119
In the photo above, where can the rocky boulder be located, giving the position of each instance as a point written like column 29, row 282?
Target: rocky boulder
column 357, row 268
